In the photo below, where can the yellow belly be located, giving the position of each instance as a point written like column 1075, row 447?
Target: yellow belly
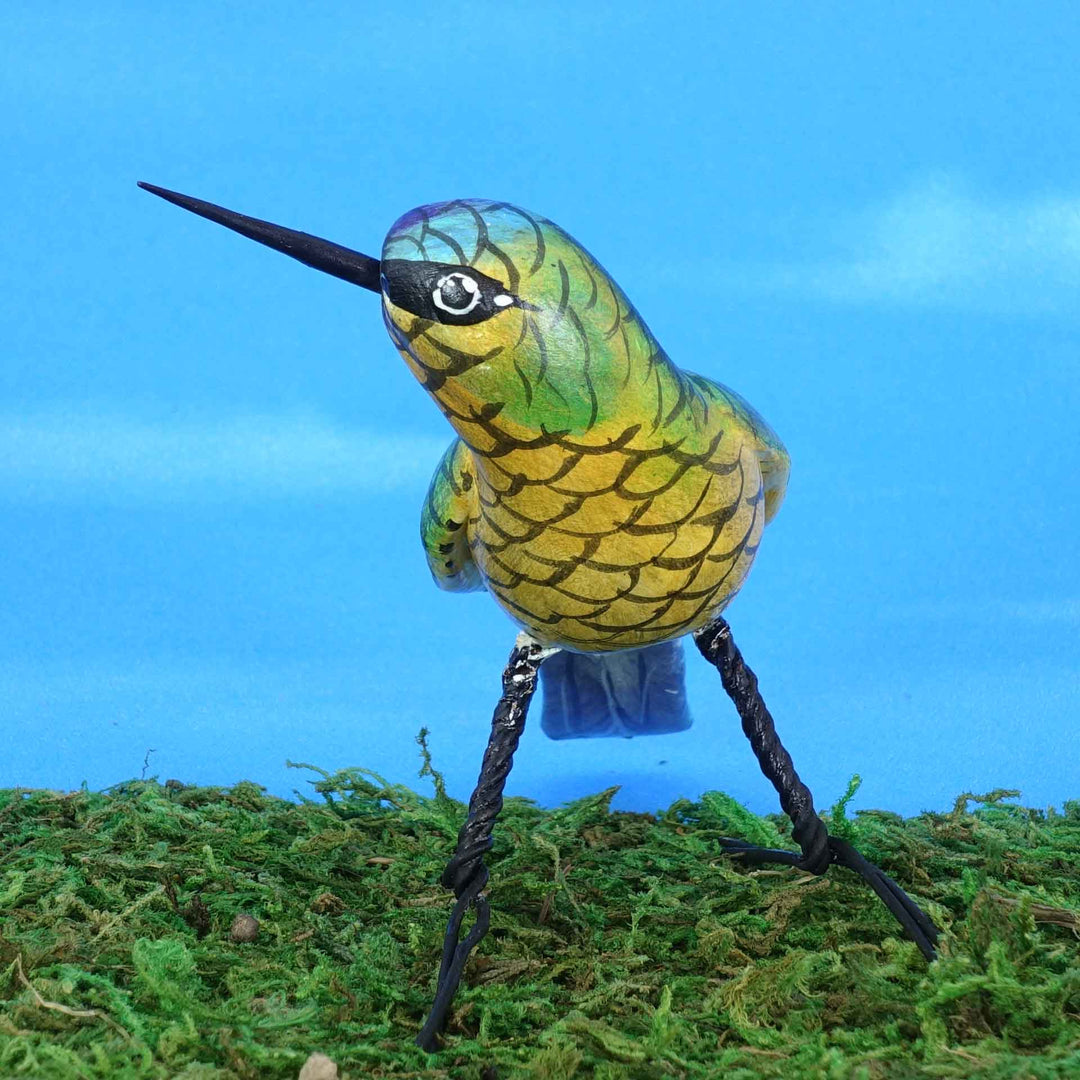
column 611, row 552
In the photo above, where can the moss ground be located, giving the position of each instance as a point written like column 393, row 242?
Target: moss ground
column 622, row 945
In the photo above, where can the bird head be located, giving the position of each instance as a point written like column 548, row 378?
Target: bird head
column 496, row 311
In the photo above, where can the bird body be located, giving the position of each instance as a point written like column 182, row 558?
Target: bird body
column 606, row 498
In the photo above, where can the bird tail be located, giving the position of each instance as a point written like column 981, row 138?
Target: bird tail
column 635, row 692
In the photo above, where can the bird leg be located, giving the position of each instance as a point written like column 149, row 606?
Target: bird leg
column 819, row 849
column 466, row 873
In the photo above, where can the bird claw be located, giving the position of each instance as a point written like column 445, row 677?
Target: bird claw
column 916, row 923
column 752, row 854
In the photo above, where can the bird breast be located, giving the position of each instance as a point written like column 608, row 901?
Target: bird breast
column 602, row 548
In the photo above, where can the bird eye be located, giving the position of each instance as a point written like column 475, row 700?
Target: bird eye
column 456, row 293
column 447, row 293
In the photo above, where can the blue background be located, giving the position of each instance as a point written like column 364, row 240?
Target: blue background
column 863, row 217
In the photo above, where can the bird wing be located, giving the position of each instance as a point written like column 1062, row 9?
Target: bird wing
column 772, row 456
column 450, row 503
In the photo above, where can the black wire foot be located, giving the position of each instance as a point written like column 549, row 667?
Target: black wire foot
column 466, row 873
column 819, row 849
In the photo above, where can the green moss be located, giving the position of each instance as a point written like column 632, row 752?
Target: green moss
column 622, row 945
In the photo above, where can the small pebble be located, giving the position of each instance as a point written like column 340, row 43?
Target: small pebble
column 244, row 928
column 319, row 1067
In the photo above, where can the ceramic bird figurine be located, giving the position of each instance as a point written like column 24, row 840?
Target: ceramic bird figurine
column 609, row 501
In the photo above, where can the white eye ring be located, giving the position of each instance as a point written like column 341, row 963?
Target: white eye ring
column 466, row 282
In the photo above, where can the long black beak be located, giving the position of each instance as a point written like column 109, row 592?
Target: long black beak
column 323, row 255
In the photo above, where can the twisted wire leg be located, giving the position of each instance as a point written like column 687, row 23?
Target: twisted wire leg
column 819, row 849
column 466, row 873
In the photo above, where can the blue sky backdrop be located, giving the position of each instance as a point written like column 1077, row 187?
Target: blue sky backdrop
column 863, row 217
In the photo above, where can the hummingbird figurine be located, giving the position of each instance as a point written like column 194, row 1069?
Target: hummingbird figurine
column 609, row 501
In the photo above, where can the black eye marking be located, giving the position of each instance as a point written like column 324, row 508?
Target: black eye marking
column 445, row 293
